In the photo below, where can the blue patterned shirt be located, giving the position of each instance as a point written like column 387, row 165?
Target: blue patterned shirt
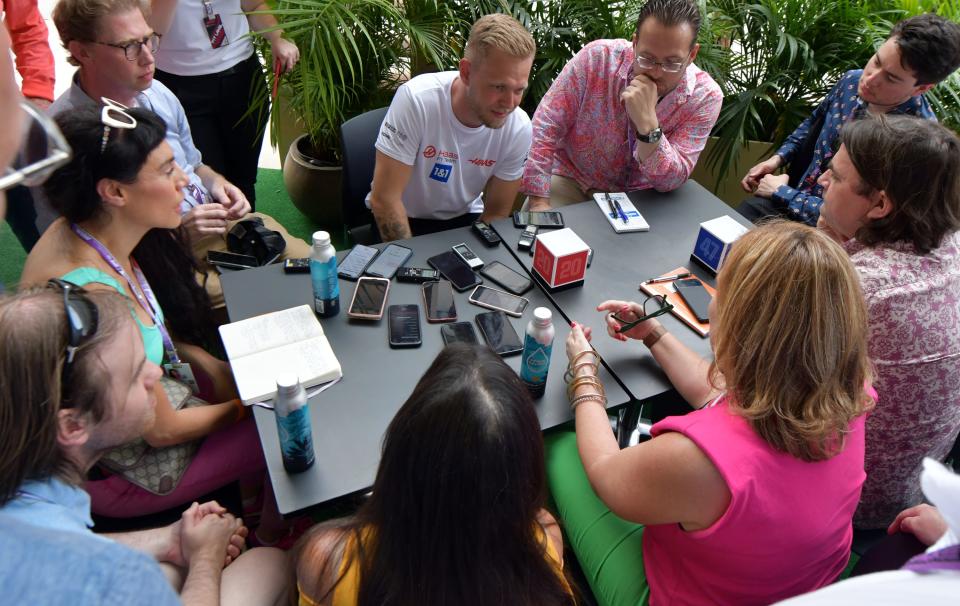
column 841, row 105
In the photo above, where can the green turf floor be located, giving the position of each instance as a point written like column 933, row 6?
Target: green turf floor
column 272, row 199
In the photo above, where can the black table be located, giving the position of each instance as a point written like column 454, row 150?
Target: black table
column 622, row 261
column 350, row 418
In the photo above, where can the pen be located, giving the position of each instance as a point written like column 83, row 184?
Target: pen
column 620, row 212
column 668, row 278
column 613, row 211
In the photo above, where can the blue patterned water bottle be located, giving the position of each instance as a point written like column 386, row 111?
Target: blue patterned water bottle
column 323, row 273
column 537, row 345
column 293, row 424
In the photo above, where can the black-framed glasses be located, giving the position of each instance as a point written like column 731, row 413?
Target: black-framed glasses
column 43, row 149
column 662, row 306
column 671, row 67
column 82, row 321
column 133, row 49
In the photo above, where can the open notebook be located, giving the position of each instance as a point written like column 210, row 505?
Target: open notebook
column 263, row 347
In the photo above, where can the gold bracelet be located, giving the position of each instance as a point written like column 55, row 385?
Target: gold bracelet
column 572, row 371
column 595, row 397
column 585, row 380
column 576, row 358
column 653, row 336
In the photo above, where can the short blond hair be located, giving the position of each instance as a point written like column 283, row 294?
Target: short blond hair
column 791, row 338
column 80, row 19
column 501, row 32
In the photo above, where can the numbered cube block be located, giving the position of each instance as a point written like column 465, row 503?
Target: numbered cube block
column 560, row 258
column 714, row 240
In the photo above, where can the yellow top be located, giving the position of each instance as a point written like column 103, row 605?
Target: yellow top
column 347, row 589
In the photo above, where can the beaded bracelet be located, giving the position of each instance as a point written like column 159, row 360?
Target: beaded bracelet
column 572, row 370
column 595, row 397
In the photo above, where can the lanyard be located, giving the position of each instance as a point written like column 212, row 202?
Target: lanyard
column 208, row 9
column 144, row 295
column 197, row 193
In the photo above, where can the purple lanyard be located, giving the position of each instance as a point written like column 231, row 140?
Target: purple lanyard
column 197, row 194
column 149, row 304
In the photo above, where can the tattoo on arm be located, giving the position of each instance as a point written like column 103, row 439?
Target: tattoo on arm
column 394, row 229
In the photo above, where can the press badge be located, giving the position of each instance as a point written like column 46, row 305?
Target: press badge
column 213, row 25
column 441, row 172
column 182, row 372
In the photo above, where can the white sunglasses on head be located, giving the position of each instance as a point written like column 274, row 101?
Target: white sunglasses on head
column 114, row 115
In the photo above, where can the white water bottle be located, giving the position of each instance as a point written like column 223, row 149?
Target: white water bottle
column 537, row 345
column 323, row 274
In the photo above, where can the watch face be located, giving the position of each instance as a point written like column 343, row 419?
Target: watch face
column 651, row 137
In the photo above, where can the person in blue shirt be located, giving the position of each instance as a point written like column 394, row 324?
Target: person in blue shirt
column 75, row 382
column 920, row 52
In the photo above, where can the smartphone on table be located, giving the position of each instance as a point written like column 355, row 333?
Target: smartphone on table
column 438, row 301
column 491, row 298
column 357, row 260
column 391, row 258
column 404, row 321
column 458, row 332
column 369, row 298
column 453, row 268
column 499, row 333
column 544, row 219
column 696, row 297
column 511, row 281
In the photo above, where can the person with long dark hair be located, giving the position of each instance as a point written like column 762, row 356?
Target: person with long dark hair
column 120, row 230
column 456, row 515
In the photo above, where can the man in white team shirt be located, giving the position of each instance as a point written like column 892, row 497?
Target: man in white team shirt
column 453, row 144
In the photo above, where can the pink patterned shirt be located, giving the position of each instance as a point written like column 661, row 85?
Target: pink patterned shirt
column 580, row 129
column 914, row 343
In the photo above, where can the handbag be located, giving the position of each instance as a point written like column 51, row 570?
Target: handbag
column 157, row 470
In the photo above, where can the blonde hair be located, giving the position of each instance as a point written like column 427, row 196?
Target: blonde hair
column 80, row 19
column 501, row 32
column 790, row 341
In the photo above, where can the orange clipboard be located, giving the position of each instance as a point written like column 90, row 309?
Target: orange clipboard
column 680, row 309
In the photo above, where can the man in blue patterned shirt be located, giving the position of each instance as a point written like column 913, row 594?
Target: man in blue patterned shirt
column 920, row 52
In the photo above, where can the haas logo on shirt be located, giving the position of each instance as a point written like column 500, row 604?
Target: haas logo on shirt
column 430, row 151
column 482, row 162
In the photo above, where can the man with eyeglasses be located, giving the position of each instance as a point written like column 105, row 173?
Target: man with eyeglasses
column 624, row 115
column 114, row 46
column 920, row 52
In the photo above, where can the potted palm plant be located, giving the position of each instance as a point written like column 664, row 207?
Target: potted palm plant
column 353, row 55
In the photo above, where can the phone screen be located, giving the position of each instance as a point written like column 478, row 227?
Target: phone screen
column 696, row 297
column 404, row 325
column 438, row 299
column 499, row 333
column 454, row 269
column 370, row 297
column 458, row 332
column 356, row 261
column 488, row 297
column 504, row 276
column 389, row 261
column 546, row 218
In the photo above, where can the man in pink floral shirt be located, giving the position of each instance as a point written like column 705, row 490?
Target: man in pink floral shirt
column 892, row 197
column 625, row 115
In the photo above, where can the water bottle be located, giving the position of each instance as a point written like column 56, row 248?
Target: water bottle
column 323, row 273
column 293, row 424
column 537, row 345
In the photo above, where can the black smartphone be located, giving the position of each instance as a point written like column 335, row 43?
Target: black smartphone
column 356, row 261
column 491, row 298
column 369, row 299
column 438, row 301
column 510, row 280
column 696, row 297
column 458, row 332
column 499, row 333
column 222, row 258
column 546, row 219
column 455, row 269
column 404, row 323
column 389, row 261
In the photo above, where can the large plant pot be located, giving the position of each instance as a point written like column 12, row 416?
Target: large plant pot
column 313, row 185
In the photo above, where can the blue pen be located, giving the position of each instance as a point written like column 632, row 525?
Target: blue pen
column 623, row 216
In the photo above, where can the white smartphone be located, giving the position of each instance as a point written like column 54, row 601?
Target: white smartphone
column 484, row 296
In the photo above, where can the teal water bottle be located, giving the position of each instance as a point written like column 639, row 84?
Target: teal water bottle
column 323, row 273
column 537, row 345
column 293, row 424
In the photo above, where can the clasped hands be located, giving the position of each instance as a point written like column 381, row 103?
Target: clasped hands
column 205, row 531
column 229, row 204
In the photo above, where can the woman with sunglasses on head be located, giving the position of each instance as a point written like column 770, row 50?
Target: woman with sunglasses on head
column 119, row 199
column 748, row 498
column 456, row 514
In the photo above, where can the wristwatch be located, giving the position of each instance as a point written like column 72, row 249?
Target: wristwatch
column 653, row 136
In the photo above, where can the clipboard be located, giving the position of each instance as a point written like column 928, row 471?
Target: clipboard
column 680, row 308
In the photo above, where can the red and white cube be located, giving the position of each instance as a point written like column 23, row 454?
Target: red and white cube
column 560, row 258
